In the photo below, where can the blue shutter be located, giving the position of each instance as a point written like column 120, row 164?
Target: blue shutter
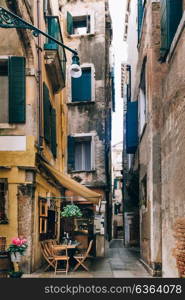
column 17, row 89
column 71, row 153
column 140, row 9
column 175, row 15
column 132, row 127
column 81, row 87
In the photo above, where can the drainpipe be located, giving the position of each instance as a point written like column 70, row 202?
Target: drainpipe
column 40, row 94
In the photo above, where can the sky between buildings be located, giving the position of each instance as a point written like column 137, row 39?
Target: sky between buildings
column 117, row 10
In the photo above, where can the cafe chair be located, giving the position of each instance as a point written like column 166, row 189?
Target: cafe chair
column 80, row 258
column 60, row 253
column 47, row 254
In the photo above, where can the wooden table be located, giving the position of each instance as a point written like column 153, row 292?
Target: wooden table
column 61, row 246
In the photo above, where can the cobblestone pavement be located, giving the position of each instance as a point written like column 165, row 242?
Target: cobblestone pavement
column 119, row 262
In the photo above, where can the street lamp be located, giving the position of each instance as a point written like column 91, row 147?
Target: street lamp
column 10, row 20
column 75, row 69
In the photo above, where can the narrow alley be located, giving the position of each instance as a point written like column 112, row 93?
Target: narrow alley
column 119, row 262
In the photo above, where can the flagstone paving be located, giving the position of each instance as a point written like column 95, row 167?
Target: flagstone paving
column 119, row 262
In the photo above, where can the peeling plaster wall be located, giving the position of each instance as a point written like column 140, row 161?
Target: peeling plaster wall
column 90, row 117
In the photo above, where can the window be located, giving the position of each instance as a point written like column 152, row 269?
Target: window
column 142, row 101
column 83, row 155
column 49, row 122
column 80, row 153
column 144, row 191
column 82, row 87
column 12, row 90
column 47, row 220
column 171, row 14
column 79, row 25
column 3, row 201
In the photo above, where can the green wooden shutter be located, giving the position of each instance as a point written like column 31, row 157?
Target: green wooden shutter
column 164, row 27
column 53, row 133
column 140, row 17
column 47, row 112
column 69, row 23
column 17, row 90
column 175, row 15
column 171, row 13
column 71, row 153
column 81, row 87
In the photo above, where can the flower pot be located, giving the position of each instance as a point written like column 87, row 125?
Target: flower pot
column 15, row 257
column 15, row 274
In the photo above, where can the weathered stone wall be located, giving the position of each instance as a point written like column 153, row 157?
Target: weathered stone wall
column 90, row 117
column 149, row 146
column 173, row 145
column 26, row 197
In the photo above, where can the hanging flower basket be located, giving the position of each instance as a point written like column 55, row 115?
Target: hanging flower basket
column 71, row 210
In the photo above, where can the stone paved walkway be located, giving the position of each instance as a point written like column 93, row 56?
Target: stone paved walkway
column 119, row 262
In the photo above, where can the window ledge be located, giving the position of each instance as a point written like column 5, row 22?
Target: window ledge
column 83, row 171
column 6, row 126
column 81, row 35
column 176, row 38
column 80, row 103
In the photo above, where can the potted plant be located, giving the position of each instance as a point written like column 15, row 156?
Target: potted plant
column 71, row 210
column 17, row 248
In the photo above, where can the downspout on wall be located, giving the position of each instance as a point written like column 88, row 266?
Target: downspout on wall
column 40, row 94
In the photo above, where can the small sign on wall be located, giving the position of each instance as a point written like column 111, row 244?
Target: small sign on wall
column 12, row 143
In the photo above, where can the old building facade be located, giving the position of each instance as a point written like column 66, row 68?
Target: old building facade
column 157, row 149
column 33, row 128
column 88, row 29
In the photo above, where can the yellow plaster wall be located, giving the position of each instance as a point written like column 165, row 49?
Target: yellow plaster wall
column 15, row 177
column 20, row 158
column 42, row 189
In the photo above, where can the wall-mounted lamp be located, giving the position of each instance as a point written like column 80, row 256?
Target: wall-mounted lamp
column 75, row 70
column 10, row 20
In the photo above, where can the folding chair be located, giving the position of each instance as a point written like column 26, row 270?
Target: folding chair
column 47, row 255
column 60, row 254
column 80, row 258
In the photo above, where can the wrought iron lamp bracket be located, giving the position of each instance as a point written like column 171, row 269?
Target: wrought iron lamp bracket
column 9, row 20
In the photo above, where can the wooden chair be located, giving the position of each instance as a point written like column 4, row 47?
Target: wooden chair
column 60, row 253
column 46, row 252
column 80, row 258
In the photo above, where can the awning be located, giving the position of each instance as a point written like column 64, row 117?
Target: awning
column 74, row 186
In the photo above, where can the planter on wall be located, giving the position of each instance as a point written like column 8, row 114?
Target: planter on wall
column 15, row 257
column 16, row 274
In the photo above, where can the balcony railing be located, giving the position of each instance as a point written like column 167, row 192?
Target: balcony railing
column 54, row 29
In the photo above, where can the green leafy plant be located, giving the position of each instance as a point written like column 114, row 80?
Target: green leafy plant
column 71, row 210
column 18, row 245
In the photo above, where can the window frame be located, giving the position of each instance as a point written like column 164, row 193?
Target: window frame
column 86, row 136
column 5, row 220
column 93, row 86
column 5, row 124
column 83, row 15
